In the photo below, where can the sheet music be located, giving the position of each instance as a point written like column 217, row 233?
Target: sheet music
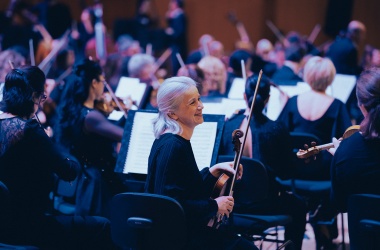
column 1, row 90
column 142, row 138
column 130, row 87
column 227, row 107
column 340, row 89
column 237, row 89
column 140, row 143
column 202, row 142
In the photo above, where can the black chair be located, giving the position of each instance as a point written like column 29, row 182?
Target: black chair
column 305, row 183
column 364, row 221
column 253, row 188
column 63, row 196
column 147, row 221
column 4, row 218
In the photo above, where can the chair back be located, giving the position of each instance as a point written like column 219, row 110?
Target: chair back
column 364, row 221
column 147, row 221
column 310, row 169
column 253, row 187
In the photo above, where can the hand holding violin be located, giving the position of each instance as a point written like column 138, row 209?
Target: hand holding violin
column 336, row 143
column 226, row 167
column 225, row 206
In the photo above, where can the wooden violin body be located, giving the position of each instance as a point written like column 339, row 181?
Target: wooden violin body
column 306, row 153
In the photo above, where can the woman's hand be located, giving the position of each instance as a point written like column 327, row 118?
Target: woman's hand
column 225, row 206
column 336, row 143
column 226, row 167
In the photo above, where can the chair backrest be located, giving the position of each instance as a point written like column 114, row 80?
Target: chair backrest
column 253, row 187
column 147, row 221
column 364, row 208
column 310, row 169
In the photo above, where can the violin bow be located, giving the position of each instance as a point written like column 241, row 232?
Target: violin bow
column 31, row 53
column 115, row 98
column 237, row 162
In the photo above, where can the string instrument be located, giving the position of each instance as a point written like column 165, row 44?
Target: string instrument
column 308, row 152
column 244, row 42
column 280, row 37
column 221, row 184
column 106, row 105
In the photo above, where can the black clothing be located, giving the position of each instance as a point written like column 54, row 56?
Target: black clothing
column 28, row 160
column 344, row 54
column 355, row 169
column 270, row 138
column 195, row 56
column 172, row 171
column 333, row 123
column 97, row 182
column 286, row 76
column 177, row 40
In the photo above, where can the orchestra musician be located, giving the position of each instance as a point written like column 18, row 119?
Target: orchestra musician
column 172, row 169
column 90, row 137
column 28, row 160
column 265, row 138
column 355, row 167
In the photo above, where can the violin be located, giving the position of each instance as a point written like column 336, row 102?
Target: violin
column 221, row 183
column 106, row 105
column 307, row 152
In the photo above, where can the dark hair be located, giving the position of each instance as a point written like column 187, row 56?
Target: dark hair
column 235, row 60
column 20, row 85
column 295, row 52
column 368, row 94
column 262, row 92
column 74, row 95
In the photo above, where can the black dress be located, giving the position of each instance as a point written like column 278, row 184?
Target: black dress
column 172, row 171
column 355, row 169
column 28, row 160
column 333, row 123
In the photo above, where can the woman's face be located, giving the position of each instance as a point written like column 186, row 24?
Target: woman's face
column 99, row 87
column 189, row 113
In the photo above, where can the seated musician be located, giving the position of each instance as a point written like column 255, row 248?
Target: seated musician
column 172, row 169
column 266, row 138
column 28, row 160
column 90, row 137
column 355, row 167
column 317, row 113
column 216, row 76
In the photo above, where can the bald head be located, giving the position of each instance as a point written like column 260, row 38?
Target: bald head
column 356, row 31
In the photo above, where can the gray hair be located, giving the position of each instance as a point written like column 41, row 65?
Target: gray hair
column 138, row 62
column 169, row 97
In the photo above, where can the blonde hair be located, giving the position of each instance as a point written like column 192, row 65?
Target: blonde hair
column 319, row 73
column 214, row 66
column 169, row 97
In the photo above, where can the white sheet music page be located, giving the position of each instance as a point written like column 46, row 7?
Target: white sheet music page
column 202, row 142
column 140, row 143
column 237, row 89
column 130, row 88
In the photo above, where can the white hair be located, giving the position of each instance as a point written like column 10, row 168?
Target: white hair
column 137, row 63
column 169, row 97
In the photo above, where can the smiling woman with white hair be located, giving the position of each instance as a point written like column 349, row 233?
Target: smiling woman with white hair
column 173, row 171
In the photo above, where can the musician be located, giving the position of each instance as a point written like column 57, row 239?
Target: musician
column 343, row 52
column 288, row 73
column 28, row 159
column 264, row 139
column 317, row 113
column 9, row 55
column 235, row 70
column 204, row 49
column 90, row 137
column 216, row 76
column 355, row 167
column 172, row 169
column 176, row 32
